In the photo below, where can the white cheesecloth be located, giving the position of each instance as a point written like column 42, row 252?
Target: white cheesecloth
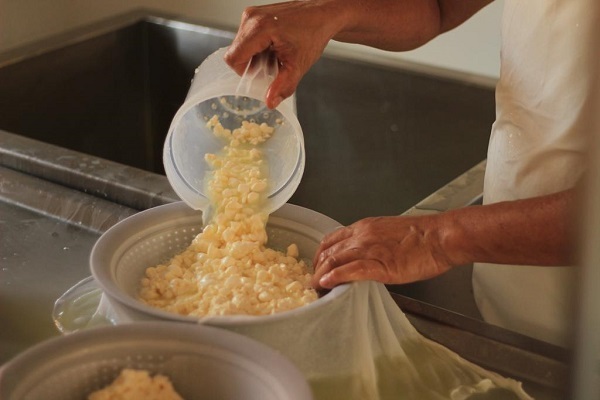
column 362, row 346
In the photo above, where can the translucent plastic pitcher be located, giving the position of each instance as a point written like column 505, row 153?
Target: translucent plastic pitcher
column 217, row 90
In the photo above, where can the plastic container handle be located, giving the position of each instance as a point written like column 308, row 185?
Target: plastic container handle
column 260, row 72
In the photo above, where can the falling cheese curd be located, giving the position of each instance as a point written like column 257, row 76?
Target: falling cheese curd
column 228, row 269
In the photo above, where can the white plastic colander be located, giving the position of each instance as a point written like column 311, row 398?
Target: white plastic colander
column 202, row 363
column 120, row 257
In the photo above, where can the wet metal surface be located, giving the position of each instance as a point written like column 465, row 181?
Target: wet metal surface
column 47, row 234
column 109, row 180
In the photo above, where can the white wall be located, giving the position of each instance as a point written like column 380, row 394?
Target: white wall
column 472, row 48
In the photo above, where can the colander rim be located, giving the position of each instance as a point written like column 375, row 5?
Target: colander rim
column 106, row 245
column 243, row 348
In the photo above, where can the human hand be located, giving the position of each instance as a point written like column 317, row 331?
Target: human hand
column 296, row 32
column 385, row 249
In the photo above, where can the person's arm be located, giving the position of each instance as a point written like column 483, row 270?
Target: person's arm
column 404, row 249
column 298, row 31
column 403, row 25
column 534, row 231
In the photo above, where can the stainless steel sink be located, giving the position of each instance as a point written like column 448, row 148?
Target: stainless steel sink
column 378, row 139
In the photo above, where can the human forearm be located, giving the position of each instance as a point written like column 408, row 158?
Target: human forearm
column 297, row 32
column 403, row 249
column 401, row 25
column 536, row 231
column 389, row 24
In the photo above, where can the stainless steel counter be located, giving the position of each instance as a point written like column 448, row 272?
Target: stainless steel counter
column 47, row 232
column 54, row 204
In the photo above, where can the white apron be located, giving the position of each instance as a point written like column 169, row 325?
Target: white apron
column 537, row 146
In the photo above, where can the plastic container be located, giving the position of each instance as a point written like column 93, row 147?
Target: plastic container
column 217, row 90
column 201, row 362
column 122, row 254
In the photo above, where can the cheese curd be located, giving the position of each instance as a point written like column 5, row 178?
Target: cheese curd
column 228, row 269
column 134, row 384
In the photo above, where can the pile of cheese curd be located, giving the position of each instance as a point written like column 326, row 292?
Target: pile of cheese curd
column 228, row 269
column 137, row 384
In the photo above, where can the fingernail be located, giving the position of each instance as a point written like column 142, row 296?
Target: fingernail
column 276, row 101
column 324, row 280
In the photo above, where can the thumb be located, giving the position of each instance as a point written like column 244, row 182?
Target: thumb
column 282, row 87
